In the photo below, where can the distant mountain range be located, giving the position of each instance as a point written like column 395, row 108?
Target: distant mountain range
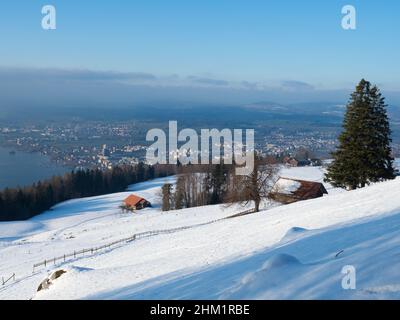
column 315, row 108
column 262, row 113
column 303, row 108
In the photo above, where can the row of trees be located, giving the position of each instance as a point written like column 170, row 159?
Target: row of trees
column 196, row 186
column 215, row 184
column 24, row 203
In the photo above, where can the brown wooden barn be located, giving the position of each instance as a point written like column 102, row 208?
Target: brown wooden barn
column 288, row 190
column 134, row 202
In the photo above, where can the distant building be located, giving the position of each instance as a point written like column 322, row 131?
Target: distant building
column 293, row 162
column 105, row 152
column 316, row 162
column 290, row 161
column 303, row 163
column 134, row 202
column 288, row 190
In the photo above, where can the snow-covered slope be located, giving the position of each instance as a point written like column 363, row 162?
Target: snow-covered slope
column 283, row 252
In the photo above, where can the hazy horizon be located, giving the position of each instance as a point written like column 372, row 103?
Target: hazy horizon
column 130, row 53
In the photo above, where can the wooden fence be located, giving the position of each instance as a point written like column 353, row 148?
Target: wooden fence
column 81, row 252
column 73, row 255
column 63, row 258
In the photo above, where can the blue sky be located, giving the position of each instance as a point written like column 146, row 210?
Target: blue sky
column 286, row 43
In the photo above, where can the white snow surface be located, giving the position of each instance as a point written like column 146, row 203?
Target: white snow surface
column 295, row 251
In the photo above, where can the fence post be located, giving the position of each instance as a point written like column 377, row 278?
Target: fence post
column 74, row 254
column 64, row 257
column 2, row 281
column 45, row 262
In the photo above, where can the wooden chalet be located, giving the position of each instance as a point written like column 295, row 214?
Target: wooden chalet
column 288, row 190
column 134, row 202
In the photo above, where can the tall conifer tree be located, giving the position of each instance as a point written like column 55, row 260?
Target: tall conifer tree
column 364, row 154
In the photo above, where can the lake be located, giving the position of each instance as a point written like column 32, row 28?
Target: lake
column 22, row 168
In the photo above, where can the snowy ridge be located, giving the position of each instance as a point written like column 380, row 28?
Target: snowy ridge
column 284, row 252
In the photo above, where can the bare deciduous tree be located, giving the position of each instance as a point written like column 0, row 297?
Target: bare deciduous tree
column 167, row 198
column 253, row 187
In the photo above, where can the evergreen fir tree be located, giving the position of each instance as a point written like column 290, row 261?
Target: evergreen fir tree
column 364, row 154
column 218, row 183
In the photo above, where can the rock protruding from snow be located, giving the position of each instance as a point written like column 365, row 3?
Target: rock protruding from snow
column 46, row 283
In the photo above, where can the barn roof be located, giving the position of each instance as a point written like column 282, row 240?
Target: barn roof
column 300, row 189
column 133, row 200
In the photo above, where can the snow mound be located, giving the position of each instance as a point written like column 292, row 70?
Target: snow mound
column 253, row 285
column 279, row 261
column 60, row 279
column 294, row 233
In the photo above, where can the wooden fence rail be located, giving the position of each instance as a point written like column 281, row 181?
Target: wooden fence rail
column 3, row 282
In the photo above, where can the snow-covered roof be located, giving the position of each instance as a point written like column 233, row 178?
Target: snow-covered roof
column 299, row 189
column 286, row 186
